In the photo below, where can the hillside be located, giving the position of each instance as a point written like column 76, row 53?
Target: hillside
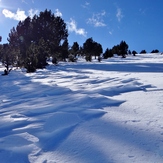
column 109, row 112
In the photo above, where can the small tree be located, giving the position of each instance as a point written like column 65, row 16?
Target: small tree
column 8, row 57
column 143, row 52
column 97, row 49
column 74, row 49
column 123, row 48
column 134, row 53
column 155, row 51
column 65, row 50
column 107, row 54
column 88, row 49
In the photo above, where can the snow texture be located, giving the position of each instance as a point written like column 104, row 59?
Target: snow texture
column 108, row 112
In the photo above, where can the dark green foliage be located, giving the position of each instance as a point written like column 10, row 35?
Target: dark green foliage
column 64, row 50
column 129, row 52
column 42, row 53
column 8, row 56
column 74, row 49
column 115, row 50
column 134, row 53
column 54, row 61
column 108, row 54
column 155, row 51
column 81, row 51
column 97, row 49
column 123, row 48
column 143, row 52
column 43, row 32
column 31, row 58
column 91, row 48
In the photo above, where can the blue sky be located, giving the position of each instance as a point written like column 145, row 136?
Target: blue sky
column 138, row 22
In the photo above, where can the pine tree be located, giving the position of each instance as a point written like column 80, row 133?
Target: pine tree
column 75, row 49
column 31, row 60
column 108, row 54
column 8, row 56
column 123, row 48
column 45, row 31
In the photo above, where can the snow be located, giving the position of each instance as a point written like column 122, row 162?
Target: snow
column 109, row 112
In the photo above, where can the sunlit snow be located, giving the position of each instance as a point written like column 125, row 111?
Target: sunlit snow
column 108, row 112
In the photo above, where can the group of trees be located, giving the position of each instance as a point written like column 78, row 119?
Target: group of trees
column 121, row 49
column 33, row 41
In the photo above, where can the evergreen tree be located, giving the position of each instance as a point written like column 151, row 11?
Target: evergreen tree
column 97, row 49
column 129, row 52
column 75, row 49
column 88, row 49
column 143, row 52
column 43, row 53
column 107, row 54
column 134, row 53
column 8, row 57
column 31, row 58
column 28, row 33
column 64, row 50
column 123, row 48
column 92, row 48
column 155, row 51
column 115, row 50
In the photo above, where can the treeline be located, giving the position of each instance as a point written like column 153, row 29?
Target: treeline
column 33, row 41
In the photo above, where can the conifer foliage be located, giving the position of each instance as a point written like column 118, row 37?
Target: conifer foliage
column 37, row 39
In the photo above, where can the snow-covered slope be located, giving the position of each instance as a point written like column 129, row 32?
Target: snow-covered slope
column 109, row 112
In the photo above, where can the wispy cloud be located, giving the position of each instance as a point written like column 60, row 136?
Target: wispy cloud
column 72, row 27
column 19, row 15
column 110, row 32
column 119, row 14
column 58, row 13
column 24, row 1
column 97, row 19
column 86, row 5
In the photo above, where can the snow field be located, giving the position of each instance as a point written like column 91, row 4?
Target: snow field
column 84, row 112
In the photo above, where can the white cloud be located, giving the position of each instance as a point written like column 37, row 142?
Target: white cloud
column 119, row 14
column 72, row 27
column 19, row 15
column 86, row 5
column 32, row 12
column 97, row 19
column 58, row 13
